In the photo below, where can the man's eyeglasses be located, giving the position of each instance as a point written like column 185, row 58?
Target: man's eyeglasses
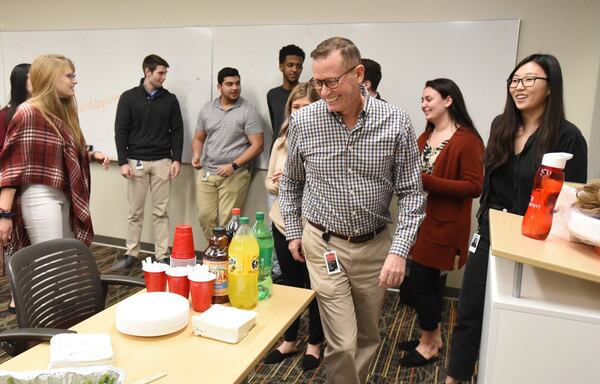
column 330, row 83
column 527, row 82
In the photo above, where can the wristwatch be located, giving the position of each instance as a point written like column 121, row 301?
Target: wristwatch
column 5, row 214
column 234, row 166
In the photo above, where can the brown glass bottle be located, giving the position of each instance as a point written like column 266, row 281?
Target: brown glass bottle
column 216, row 258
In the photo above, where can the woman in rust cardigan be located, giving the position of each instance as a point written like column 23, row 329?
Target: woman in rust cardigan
column 452, row 172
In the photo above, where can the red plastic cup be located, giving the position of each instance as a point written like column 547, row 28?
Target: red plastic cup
column 155, row 277
column 178, row 281
column 202, row 290
column 183, row 242
column 155, row 281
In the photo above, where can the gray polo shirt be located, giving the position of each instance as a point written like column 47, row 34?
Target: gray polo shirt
column 226, row 131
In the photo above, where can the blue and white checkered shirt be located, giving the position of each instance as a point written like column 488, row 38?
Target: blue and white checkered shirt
column 344, row 180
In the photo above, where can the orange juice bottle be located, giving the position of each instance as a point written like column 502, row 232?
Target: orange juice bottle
column 243, row 267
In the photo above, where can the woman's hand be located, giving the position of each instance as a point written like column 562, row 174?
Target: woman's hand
column 101, row 158
column 276, row 177
column 6, row 226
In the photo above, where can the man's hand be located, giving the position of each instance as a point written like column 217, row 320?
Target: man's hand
column 126, row 171
column 295, row 247
column 392, row 272
column 225, row 170
column 6, row 226
column 196, row 163
column 175, row 168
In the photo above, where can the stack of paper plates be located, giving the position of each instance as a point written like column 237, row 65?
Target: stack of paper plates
column 152, row 314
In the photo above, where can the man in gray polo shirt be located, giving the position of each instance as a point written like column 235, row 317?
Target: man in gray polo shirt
column 228, row 138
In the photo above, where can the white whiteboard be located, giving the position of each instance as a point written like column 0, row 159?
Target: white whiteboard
column 477, row 55
column 108, row 62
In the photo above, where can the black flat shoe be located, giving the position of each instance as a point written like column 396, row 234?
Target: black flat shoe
column 408, row 345
column 12, row 310
column 415, row 359
column 275, row 356
column 310, row 362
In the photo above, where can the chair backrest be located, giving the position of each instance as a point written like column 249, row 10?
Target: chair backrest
column 56, row 284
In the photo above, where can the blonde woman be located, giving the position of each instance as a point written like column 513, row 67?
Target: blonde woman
column 294, row 273
column 44, row 165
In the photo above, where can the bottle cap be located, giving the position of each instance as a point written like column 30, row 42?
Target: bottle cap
column 556, row 159
column 236, row 211
column 244, row 220
column 260, row 215
column 218, row 231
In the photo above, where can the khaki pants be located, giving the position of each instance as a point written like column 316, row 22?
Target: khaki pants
column 350, row 302
column 156, row 176
column 217, row 196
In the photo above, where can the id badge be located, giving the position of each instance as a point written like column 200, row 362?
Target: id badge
column 205, row 177
column 331, row 262
column 139, row 165
column 474, row 242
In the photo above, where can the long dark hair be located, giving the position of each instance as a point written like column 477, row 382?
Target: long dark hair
column 502, row 136
column 18, row 89
column 458, row 109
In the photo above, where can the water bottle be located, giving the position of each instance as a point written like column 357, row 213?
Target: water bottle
column 233, row 224
column 243, row 267
column 265, row 258
column 547, row 184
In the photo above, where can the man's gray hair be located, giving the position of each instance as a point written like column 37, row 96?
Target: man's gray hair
column 348, row 50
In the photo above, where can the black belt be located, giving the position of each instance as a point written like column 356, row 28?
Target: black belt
column 351, row 239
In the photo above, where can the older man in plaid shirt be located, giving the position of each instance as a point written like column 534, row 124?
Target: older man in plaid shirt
column 349, row 153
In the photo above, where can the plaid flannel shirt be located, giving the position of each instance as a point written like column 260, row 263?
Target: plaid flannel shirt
column 34, row 154
column 344, row 180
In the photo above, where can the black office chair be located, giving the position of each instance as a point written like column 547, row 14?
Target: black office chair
column 56, row 284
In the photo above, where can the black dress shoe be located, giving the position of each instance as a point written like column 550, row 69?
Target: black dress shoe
column 408, row 345
column 310, row 362
column 275, row 356
column 11, row 309
column 415, row 359
column 123, row 262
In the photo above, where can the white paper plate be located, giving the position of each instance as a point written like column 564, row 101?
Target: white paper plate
column 152, row 314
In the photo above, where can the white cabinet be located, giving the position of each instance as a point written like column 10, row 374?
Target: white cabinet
column 551, row 334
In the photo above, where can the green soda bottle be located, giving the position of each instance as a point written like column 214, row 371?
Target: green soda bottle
column 265, row 256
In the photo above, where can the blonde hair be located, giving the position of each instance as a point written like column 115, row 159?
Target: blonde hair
column 45, row 71
column 300, row 91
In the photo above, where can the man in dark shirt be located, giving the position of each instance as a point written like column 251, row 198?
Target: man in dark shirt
column 372, row 77
column 149, row 140
column 291, row 59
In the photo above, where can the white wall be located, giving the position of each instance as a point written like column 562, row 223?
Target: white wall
column 568, row 30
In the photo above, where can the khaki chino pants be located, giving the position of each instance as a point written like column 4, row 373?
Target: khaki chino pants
column 217, row 196
column 350, row 302
column 156, row 176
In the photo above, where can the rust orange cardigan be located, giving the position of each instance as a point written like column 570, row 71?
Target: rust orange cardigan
column 457, row 179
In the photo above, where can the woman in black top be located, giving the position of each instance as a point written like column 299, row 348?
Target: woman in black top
column 532, row 124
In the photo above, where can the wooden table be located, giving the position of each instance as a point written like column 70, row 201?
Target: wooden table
column 554, row 254
column 184, row 357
